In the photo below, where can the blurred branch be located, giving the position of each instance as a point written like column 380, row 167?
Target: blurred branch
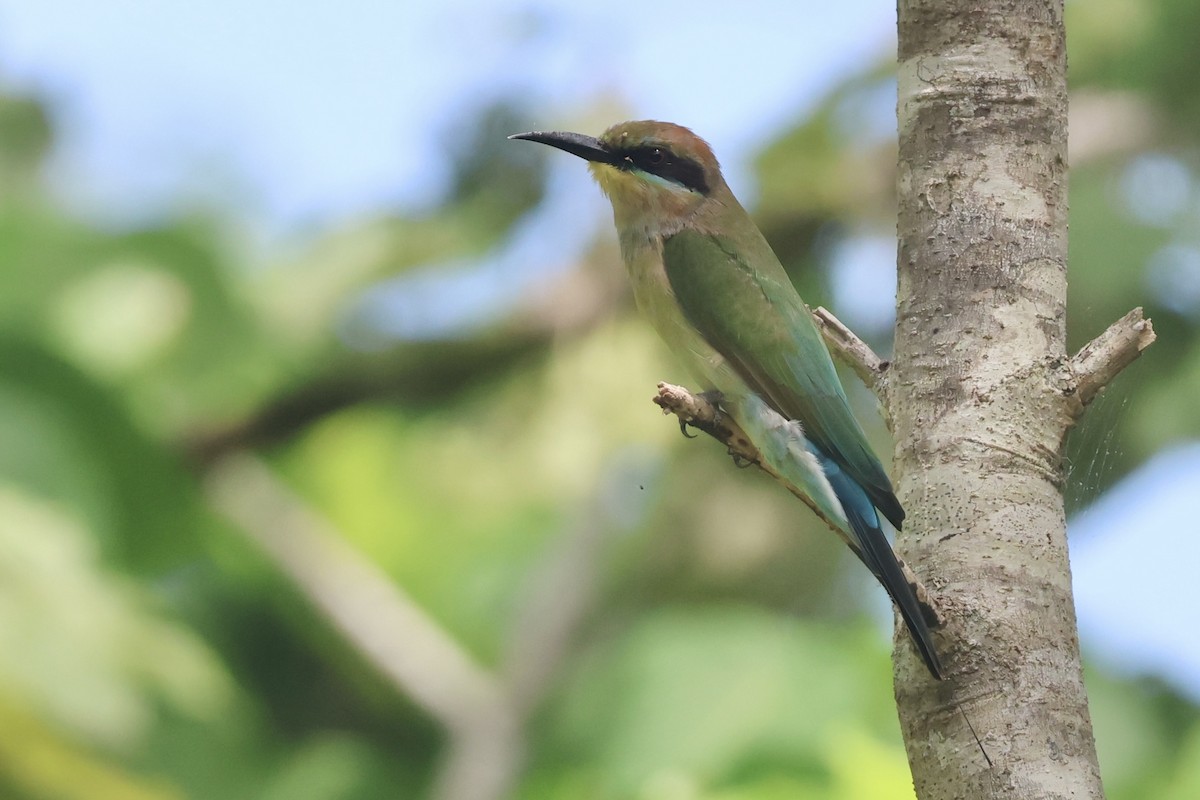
column 483, row 714
column 425, row 373
column 417, row 374
column 703, row 412
column 1103, row 358
column 558, row 596
column 421, row 660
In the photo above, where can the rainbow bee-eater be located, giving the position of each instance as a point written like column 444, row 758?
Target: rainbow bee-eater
column 718, row 296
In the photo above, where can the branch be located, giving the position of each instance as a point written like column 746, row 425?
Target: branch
column 703, row 412
column 482, row 713
column 849, row 349
column 558, row 596
column 419, row 658
column 1103, row 358
column 421, row 373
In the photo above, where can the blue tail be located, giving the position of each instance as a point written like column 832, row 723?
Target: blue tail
column 876, row 553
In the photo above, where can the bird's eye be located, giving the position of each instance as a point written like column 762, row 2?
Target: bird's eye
column 655, row 157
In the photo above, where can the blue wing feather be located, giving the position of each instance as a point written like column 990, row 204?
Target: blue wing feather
column 874, row 551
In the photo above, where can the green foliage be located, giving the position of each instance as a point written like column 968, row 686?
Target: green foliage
column 727, row 701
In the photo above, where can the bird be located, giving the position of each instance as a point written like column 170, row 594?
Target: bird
column 718, row 296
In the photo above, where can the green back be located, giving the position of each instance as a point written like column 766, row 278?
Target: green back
column 753, row 316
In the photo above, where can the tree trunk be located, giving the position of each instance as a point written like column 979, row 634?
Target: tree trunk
column 982, row 394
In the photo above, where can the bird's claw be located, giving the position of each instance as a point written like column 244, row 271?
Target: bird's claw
column 740, row 461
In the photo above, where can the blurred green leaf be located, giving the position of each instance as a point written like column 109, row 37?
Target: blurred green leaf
column 704, row 697
column 64, row 436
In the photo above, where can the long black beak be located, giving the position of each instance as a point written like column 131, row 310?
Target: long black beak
column 586, row 147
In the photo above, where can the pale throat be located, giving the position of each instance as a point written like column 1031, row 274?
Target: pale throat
column 642, row 209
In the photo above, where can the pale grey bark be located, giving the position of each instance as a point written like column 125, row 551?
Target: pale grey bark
column 982, row 394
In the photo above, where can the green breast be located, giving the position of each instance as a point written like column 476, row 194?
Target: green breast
column 656, row 301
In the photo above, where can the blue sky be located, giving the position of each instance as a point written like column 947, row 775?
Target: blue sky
column 293, row 115
column 1134, row 555
column 248, row 101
